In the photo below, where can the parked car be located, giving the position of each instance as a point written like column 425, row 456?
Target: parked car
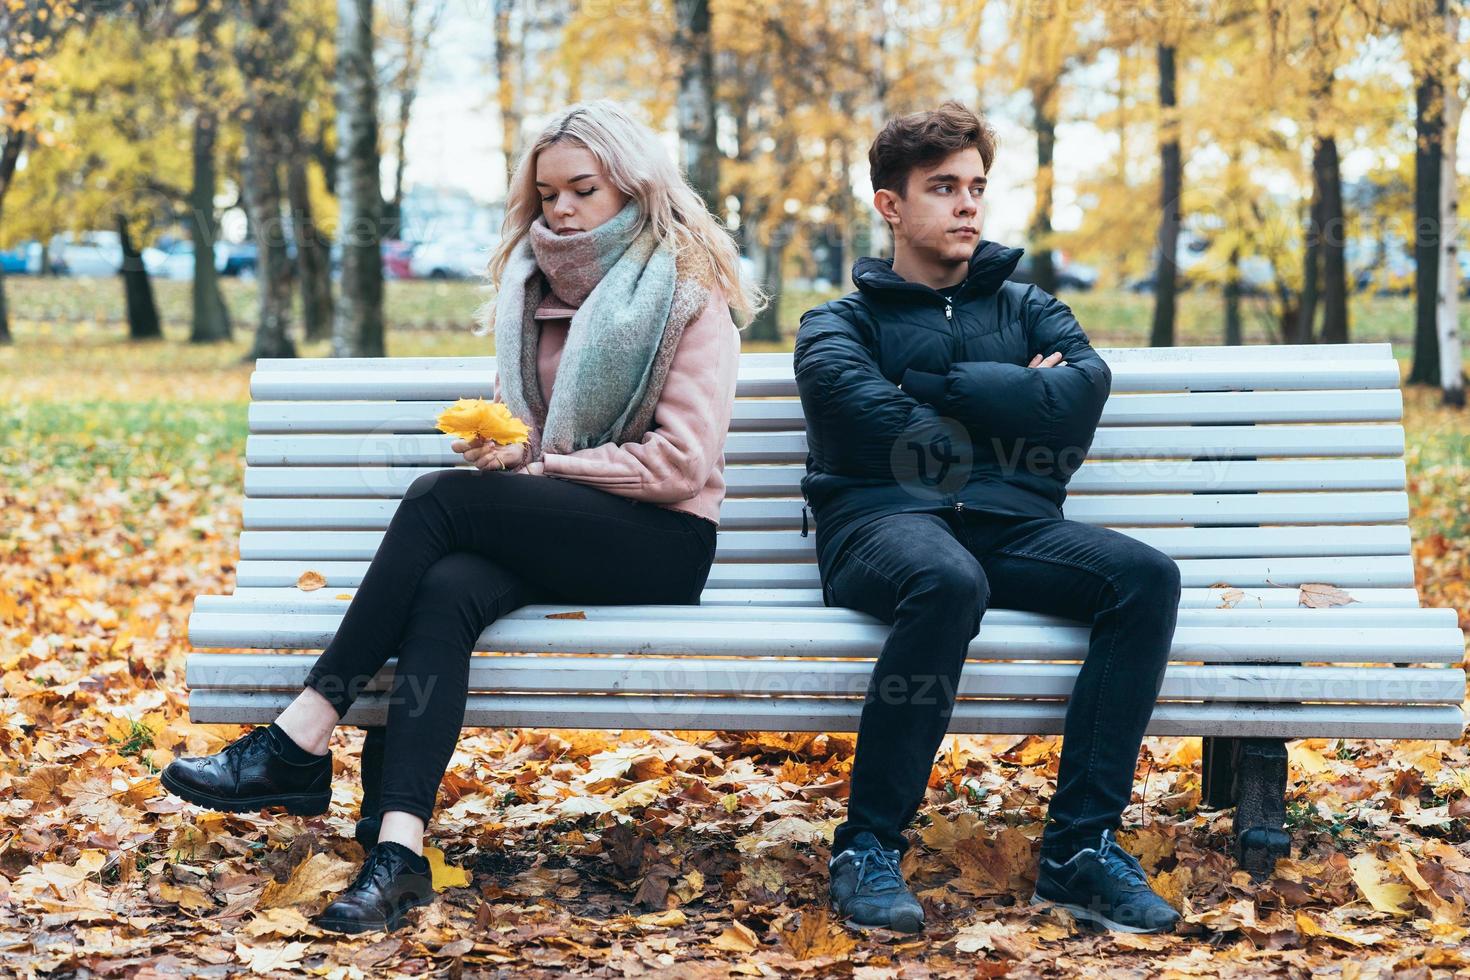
column 172, row 258
column 450, row 259
column 87, row 253
column 240, row 258
column 1070, row 275
column 397, row 258
column 22, row 260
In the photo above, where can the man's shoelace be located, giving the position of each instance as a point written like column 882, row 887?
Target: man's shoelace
column 380, row 862
column 1121, row 863
column 878, row 867
column 240, row 748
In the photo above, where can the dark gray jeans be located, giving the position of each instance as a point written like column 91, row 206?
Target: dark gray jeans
column 464, row 548
column 932, row 576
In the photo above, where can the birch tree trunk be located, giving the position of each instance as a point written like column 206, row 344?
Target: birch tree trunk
column 358, row 328
column 1447, row 312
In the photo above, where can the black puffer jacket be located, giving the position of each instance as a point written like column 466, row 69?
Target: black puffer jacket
column 916, row 403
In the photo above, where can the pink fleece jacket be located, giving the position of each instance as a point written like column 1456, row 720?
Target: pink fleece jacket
column 680, row 461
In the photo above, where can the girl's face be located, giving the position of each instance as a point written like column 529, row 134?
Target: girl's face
column 575, row 196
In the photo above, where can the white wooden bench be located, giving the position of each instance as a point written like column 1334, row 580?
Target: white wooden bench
column 1257, row 468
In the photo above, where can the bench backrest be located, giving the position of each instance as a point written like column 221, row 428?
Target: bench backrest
column 1251, row 466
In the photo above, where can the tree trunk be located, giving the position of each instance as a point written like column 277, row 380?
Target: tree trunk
column 1171, row 186
column 696, row 100
column 137, row 288
column 1333, row 246
column 211, row 319
column 1451, row 363
column 5, row 338
column 769, row 258
column 313, row 258
column 358, row 331
column 508, row 94
column 1232, row 300
column 1043, row 269
column 272, row 268
column 10, row 147
column 1428, row 153
column 264, row 36
column 1303, row 331
column 393, row 212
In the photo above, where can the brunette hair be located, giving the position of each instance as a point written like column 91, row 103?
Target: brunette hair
column 921, row 139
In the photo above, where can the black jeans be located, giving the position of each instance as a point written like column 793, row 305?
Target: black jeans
column 465, row 547
column 932, row 576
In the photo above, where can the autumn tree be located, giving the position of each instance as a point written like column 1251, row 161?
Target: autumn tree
column 29, row 33
column 118, row 151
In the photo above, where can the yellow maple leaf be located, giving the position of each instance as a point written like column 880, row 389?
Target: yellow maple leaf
column 1371, row 876
column 469, row 418
column 443, row 874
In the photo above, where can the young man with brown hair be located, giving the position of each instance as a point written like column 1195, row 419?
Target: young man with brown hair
column 946, row 409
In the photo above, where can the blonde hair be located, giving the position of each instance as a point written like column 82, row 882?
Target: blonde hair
column 635, row 162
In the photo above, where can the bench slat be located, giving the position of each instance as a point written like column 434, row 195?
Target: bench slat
column 783, row 546
column 1359, row 572
column 849, row 678
column 1207, row 352
column 316, row 514
column 751, row 637
column 971, row 716
column 784, row 414
column 1189, row 598
column 1206, row 476
column 1138, row 442
column 276, row 602
column 760, row 381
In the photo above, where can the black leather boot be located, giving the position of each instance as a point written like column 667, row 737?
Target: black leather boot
column 393, row 880
column 250, row 774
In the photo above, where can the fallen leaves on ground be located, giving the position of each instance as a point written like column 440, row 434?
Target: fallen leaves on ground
column 564, row 852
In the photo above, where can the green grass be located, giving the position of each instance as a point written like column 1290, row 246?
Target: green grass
column 57, row 306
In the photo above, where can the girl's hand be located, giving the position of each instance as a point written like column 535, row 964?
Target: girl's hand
column 489, row 454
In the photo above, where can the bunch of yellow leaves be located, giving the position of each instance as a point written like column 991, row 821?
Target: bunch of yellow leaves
column 469, row 418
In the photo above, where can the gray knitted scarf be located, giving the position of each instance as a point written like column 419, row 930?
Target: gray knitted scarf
column 635, row 298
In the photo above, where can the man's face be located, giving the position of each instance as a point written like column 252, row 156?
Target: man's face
column 942, row 214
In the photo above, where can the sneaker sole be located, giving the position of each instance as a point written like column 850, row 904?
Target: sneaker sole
column 297, row 804
column 904, row 923
column 355, row 926
column 1096, row 918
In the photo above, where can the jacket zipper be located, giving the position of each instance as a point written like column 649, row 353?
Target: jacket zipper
column 954, row 337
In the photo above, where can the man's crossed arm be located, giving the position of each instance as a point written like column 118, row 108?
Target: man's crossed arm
column 1055, row 401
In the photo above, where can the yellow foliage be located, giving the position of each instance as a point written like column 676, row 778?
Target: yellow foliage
column 470, row 418
column 444, row 875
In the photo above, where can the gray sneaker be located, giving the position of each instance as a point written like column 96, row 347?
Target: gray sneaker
column 867, row 889
column 1104, row 885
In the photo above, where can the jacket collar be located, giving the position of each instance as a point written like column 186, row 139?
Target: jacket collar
column 990, row 265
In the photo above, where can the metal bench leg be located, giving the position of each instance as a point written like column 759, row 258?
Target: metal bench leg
column 1217, row 772
column 1259, row 766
